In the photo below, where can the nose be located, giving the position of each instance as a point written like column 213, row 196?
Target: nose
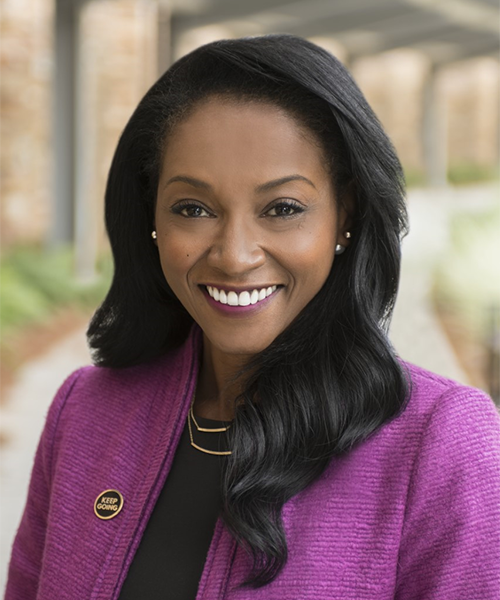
column 237, row 248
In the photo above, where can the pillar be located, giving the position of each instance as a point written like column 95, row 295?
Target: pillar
column 434, row 132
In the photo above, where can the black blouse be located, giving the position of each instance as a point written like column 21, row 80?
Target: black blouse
column 169, row 560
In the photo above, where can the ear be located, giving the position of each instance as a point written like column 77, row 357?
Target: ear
column 346, row 211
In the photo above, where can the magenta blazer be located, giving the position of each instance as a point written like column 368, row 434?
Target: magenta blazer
column 413, row 513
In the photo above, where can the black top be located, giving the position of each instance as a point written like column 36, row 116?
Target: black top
column 169, row 560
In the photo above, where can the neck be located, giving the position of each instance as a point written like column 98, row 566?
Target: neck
column 216, row 389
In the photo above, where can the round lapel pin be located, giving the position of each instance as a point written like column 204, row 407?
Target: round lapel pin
column 108, row 504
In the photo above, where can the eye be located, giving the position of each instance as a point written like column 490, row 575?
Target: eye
column 190, row 210
column 284, row 209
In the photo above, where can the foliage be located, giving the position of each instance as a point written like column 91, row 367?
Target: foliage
column 458, row 174
column 467, row 276
column 35, row 282
column 414, row 177
column 462, row 173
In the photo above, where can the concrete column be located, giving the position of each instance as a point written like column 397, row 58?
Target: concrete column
column 434, row 132
column 86, row 140
column 497, row 157
column 63, row 128
column 165, row 55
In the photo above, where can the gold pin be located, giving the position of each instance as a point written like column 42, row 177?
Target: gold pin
column 108, row 504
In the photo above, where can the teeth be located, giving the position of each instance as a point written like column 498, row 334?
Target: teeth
column 244, row 299
column 232, row 299
column 241, row 299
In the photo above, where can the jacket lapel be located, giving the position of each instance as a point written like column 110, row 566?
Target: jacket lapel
column 153, row 436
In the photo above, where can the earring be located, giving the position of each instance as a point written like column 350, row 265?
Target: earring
column 339, row 249
column 153, row 235
column 347, row 234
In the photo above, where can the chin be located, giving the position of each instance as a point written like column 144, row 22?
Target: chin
column 236, row 347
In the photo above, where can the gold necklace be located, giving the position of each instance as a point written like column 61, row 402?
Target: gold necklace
column 218, row 429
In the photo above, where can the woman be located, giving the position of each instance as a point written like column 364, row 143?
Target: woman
column 248, row 431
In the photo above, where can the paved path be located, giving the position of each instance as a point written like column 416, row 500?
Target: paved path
column 414, row 331
column 22, row 418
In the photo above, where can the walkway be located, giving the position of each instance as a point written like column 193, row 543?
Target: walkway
column 22, row 417
column 415, row 333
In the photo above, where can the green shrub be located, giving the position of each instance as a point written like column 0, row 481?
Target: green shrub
column 414, row 177
column 458, row 174
column 34, row 283
column 467, row 277
column 19, row 303
column 462, row 173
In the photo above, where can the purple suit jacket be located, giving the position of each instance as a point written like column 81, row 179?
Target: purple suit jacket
column 413, row 513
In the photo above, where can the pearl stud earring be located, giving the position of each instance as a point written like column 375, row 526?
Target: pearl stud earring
column 339, row 249
column 153, row 235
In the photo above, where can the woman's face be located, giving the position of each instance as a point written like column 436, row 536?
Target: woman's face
column 246, row 221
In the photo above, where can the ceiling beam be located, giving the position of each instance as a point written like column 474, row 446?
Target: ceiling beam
column 348, row 21
column 363, row 43
column 472, row 14
column 443, row 28
column 444, row 54
column 278, row 13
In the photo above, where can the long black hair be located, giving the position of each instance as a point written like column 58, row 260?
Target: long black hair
column 331, row 379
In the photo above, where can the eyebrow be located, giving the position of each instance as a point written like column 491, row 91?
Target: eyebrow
column 264, row 187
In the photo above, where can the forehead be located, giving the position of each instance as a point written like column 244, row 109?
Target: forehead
column 241, row 135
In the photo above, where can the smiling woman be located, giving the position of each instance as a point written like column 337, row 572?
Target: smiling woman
column 257, row 213
column 247, row 414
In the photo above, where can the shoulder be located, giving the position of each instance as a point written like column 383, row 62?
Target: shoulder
column 444, row 430
column 438, row 412
column 166, row 371
column 440, row 402
column 168, row 368
column 460, row 425
column 458, row 435
column 96, row 405
column 104, row 394
column 450, row 537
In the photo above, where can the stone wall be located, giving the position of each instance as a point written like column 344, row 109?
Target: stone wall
column 25, row 101
column 393, row 83
column 471, row 92
column 470, row 95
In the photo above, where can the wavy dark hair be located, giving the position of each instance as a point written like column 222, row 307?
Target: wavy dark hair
column 332, row 378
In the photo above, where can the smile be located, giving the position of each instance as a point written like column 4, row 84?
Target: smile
column 245, row 298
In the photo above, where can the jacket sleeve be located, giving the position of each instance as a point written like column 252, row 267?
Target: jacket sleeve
column 450, row 546
column 28, row 547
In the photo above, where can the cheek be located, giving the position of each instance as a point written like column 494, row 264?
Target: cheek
column 177, row 256
column 313, row 252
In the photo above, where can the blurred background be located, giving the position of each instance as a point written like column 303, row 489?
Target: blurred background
column 72, row 72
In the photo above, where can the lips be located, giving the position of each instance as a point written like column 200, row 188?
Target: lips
column 244, row 298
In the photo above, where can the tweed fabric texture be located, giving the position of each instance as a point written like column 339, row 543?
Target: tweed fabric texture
column 412, row 513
